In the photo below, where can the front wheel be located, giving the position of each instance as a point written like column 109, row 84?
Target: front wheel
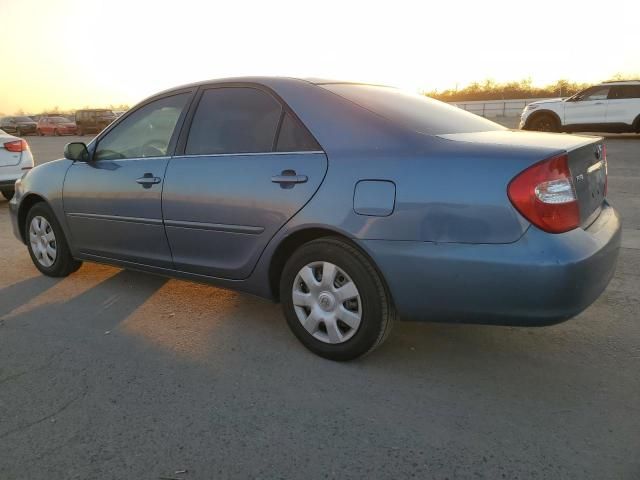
column 545, row 123
column 334, row 300
column 8, row 193
column 46, row 243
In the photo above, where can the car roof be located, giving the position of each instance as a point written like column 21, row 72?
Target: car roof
column 622, row 82
column 269, row 81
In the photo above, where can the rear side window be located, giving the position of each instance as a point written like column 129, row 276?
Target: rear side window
column 619, row 92
column 294, row 137
column 234, row 120
column 417, row 112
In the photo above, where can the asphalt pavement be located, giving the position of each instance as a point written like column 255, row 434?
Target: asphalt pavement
column 112, row 374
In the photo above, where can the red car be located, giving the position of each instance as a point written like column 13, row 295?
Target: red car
column 55, row 125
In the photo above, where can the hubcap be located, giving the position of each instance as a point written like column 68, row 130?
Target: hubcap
column 327, row 302
column 43, row 241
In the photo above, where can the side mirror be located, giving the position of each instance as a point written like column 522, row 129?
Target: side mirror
column 76, row 151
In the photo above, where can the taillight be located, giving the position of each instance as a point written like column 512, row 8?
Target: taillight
column 16, row 146
column 544, row 195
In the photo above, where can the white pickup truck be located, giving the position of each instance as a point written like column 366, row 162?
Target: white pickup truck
column 608, row 107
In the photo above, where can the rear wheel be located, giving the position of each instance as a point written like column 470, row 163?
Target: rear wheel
column 46, row 243
column 8, row 193
column 334, row 300
column 545, row 123
column 56, row 133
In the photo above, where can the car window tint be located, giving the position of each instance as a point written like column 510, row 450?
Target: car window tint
column 145, row 133
column 417, row 112
column 233, row 120
column 598, row 93
column 293, row 137
column 624, row 91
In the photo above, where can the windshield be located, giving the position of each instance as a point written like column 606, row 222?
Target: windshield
column 419, row 113
column 23, row 119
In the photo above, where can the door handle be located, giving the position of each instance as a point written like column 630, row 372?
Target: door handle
column 147, row 180
column 289, row 178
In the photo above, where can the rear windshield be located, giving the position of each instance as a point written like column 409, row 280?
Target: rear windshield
column 419, row 113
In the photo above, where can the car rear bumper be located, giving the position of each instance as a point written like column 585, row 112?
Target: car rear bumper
column 539, row 280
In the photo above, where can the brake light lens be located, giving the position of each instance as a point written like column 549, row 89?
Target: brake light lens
column 544, row 194
column 16, row 146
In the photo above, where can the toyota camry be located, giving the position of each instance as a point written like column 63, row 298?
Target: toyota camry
column 351, row 204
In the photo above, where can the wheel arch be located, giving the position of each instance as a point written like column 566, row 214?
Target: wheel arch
column 539, row 113
column 25, row 205
column 295, row 240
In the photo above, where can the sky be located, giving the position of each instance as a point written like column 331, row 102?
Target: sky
column 93, row 53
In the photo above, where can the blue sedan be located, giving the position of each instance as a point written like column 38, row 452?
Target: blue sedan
column 351, row 204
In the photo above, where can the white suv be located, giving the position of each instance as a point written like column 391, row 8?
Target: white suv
column 608, row 107
column 15, row 159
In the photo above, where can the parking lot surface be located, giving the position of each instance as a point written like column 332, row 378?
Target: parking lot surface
column 114, row 374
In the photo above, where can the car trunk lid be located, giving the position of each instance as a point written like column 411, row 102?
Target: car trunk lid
column 586, row 160
column 588, row 165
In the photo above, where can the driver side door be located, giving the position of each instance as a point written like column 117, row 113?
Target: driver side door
column 113, row 202
column 588, row 109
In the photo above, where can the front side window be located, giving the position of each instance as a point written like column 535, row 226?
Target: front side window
column 145, row 133
column 596, row 93
column 233, row 120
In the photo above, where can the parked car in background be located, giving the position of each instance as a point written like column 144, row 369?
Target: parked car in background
column 55, row 125
column 608, row 107
column 351, row 204
column 18, row 125
column 93, row 120
column 15, row 159
column 119, row 113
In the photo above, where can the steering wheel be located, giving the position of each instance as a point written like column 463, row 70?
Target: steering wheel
column 154, row 148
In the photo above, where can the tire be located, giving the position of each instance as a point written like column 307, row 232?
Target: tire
column 544, row 123
column 63, row 264
column 335, row 339
column 39, row 133
column 18, row 132
column 8, row 193
column 56, row 133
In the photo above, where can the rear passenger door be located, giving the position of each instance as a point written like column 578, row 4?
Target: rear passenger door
column 624, row 104
column 244, row 166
